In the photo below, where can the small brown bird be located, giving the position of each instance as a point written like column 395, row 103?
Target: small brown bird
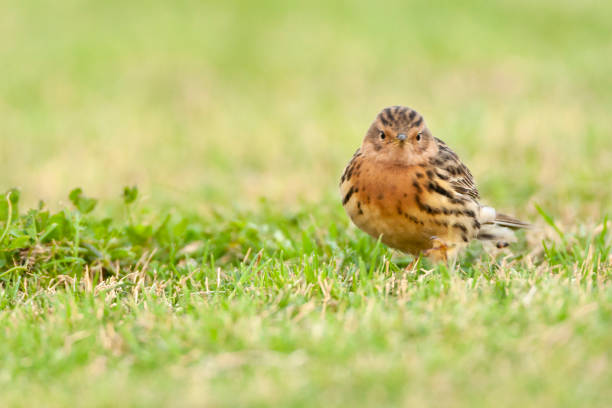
column 411, row 190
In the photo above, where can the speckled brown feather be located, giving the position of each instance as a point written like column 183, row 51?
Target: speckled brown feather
column 401, row 205
column 413, row 196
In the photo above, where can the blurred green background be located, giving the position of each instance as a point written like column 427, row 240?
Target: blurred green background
column 208, row 105
column 213, row 103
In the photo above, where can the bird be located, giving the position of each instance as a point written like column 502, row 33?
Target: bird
column 410, row 190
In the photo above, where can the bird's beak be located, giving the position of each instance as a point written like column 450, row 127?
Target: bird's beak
column 401, row 137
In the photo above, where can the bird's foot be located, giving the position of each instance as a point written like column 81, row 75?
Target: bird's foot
column 438, row 251
column 412, row 266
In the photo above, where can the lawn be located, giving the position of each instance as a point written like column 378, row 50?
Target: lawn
column 231, row 275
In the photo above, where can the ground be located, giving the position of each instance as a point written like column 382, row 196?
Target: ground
column 232, row 276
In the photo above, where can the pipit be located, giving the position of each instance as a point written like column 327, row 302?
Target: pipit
column 412, row 191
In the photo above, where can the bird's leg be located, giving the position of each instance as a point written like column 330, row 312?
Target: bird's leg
column 438, row 250
column 412, row 265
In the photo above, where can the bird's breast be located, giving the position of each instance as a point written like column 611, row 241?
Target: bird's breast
column 398, row 204
column 380, row 200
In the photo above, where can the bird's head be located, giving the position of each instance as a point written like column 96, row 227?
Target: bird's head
column 399, row 135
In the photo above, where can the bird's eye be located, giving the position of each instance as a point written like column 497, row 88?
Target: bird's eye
column 418, row 137
column 382, row 134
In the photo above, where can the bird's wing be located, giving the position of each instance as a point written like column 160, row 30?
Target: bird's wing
column 450, row 168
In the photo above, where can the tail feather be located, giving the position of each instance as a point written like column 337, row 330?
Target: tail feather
column 498, row 227
column 510, row 222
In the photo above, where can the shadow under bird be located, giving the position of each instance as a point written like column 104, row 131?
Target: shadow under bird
column 410, row 189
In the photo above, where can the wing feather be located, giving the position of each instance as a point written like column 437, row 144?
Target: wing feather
column 454, row 171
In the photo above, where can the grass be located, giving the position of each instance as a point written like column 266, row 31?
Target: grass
column 277, row 308
column 196, row 291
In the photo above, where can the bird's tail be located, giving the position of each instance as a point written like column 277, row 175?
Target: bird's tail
column 498, row 228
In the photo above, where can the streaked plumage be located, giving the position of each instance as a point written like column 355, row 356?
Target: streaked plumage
column 413, row 191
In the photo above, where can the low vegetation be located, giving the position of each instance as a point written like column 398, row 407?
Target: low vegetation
column 271, row 307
